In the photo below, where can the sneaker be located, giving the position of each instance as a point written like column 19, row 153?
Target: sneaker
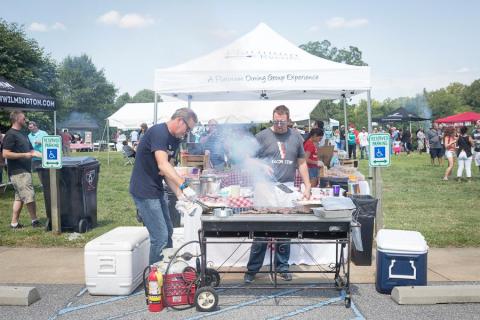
column 248, row 278
column 286, row 276
column 18, row 226
column 36, row 224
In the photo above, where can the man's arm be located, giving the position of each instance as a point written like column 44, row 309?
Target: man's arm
column 8, row 154
column 303, row 169
column 171, row 177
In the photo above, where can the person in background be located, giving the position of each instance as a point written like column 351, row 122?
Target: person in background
column 129, row 152
column 134, row 137
column 434, row 144
column 19, row 153
column 450, row 143
column 336, row 136
column 143, row 131
column 283, row 149
column 476, row 144
column 420, row 141
column 397, row 146
column 66, row 140
column 2, row 160
column 342, row 138
column 352, row 144
column 363, row 139
column 464, row 153
column 407, row 140
column 152, row 166
column 214, row 145
column 311, row 151
column 35, row 137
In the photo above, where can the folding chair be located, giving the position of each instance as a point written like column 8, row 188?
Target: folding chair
column 127, row 160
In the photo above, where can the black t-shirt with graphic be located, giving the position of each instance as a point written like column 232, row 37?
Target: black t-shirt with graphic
column 145, row 182
column 16, row 142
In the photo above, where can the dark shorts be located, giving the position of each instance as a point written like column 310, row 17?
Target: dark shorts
column 436, row 153
column 313, row 173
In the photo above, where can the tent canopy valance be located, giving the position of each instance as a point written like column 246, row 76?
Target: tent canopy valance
column 261, row 65
column 15, row 97
column 401, row 115
column 131, row 115
column 465, row 117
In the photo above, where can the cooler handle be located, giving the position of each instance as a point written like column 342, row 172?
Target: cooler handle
column 106, row 265
column 401, row 276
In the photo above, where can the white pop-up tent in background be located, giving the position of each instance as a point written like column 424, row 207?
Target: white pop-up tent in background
column 131, row 115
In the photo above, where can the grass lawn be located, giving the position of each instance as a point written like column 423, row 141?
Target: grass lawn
column 415, row 198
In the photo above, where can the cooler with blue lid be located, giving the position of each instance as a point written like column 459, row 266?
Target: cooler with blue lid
column 401, row 259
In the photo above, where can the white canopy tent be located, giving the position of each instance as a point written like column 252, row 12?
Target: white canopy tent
column 131, row 115
column 262, row 65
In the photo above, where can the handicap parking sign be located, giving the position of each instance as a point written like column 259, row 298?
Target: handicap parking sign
column 379, row 149
column 379, row 152
column 52, row 154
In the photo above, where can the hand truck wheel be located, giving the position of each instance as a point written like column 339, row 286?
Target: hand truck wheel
column 212, row 278
column 206, row 299
column 348, row 301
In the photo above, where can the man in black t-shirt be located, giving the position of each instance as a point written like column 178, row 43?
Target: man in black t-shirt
column 152, row 166
column 19, row 153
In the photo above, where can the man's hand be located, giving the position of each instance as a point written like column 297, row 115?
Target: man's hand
column 189, row 193
column 307, row 192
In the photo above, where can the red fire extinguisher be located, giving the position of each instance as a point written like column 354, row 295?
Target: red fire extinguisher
column 154, row 292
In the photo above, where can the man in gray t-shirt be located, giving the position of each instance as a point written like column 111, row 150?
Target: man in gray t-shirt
column 282, row 148
column 434, row 138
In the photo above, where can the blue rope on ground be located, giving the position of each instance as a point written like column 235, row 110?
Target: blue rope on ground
column 246, row 303
column 308, row 308
column 93, row 304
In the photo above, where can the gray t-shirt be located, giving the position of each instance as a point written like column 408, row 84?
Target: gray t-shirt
column 434, row 138
column 281, row 151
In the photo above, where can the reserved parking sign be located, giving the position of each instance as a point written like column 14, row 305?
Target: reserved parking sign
column 52, row 152
column 379, row 148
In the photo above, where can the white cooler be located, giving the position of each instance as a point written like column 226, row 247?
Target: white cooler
column 114, row 262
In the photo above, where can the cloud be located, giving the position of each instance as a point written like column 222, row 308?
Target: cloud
column 340, row 22
column 38, row 27
column 313, row 28
column 42, row 27
column 463, row 70
column 224, row 33
column 58, row 26
column 126, row 21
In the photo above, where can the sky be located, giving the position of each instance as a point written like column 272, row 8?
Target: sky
column 409, row 44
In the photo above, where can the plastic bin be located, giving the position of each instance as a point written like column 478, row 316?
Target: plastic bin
column 78, row 180
column 401, row 259
column 366, row 213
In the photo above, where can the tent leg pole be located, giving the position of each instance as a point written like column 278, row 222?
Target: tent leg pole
column 108, row 142
column 54, row 122
column 155, row 111
column 346, row 125
column 370, row 130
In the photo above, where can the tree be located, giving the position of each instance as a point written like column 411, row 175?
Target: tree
column 122, row 100
column 448, row 101
column 144, row 95
column 25, row 63
column 324, row 49
column 85, row 89
column 471, row 95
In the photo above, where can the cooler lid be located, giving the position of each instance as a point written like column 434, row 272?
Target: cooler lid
column 401, row 241
column 118, row 239
column 77, row 161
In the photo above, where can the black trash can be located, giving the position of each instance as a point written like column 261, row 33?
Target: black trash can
column 78, row 181
column 366, row 212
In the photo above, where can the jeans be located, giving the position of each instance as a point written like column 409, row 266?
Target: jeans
column 364, row 150
column 352, row 150
column 156, row 218
column 342, row 145
column 257, row 255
